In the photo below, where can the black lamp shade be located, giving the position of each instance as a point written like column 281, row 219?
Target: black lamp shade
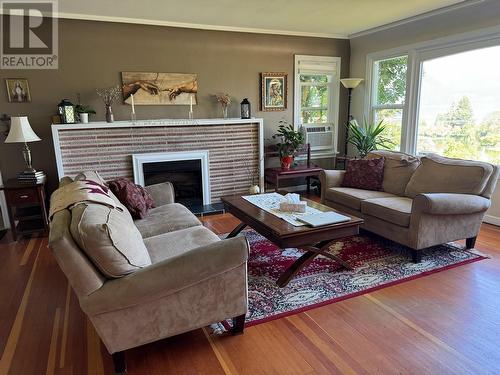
column 246, row 109
column 66, row 111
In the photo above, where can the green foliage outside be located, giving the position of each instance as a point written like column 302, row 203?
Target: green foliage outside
column 391, row 74
column 458, row 134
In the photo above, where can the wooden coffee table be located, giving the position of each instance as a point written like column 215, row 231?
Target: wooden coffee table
column 314, row 241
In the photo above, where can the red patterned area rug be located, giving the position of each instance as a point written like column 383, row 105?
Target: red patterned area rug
column 378, row 263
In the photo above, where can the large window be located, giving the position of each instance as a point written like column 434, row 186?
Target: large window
column 440, row 96
column 389, row 96
column 459, row 111
column 317, row 101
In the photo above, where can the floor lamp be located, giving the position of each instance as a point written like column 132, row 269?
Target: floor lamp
column 349, row 84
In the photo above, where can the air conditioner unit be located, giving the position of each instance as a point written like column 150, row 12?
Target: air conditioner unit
column 320, row 137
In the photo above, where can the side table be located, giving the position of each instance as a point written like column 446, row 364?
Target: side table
column 27, row 208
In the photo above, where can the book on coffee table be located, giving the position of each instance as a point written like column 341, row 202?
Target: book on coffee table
column 323, row 218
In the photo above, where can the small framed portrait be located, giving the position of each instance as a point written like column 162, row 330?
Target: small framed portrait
column 18, row 90
column 274, row 91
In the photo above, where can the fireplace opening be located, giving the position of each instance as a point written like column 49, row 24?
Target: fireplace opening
column 185, row 175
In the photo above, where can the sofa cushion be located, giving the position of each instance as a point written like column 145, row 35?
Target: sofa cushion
column 437, row 174
column 171, row 244
column 166, row 218
column 109, row 238
column 396, row 210
column 398, row 169
column 364, row 174
column 351, row 197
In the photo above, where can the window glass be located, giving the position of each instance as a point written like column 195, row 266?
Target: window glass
column 391, row 80
column 459, row 112
column 314, row 96
column 314, row 117
column 393, row 120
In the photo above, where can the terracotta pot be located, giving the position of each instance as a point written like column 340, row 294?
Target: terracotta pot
column 286, row 162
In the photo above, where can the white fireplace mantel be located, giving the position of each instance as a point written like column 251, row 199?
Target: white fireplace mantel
column 158, row 122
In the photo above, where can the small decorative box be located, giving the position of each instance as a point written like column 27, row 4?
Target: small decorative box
column 293, row 207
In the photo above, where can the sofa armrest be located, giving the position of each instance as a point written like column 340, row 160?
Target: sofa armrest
column 450, row 204
column 162, row 193
column 168, row 276
column 331, row 178
column 328, row 179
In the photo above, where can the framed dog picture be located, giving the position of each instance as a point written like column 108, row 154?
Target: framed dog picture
column 274, row 91
column 18, row 90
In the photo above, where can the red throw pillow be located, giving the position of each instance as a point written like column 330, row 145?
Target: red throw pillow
column 365, row 174
column 134, row 197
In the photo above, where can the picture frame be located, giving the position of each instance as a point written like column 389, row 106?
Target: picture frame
column 155, row 88
column 18, row 90
column 274, row 91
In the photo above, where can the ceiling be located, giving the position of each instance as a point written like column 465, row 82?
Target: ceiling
column 327, row 18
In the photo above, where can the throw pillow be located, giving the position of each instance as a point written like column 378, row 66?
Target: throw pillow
column 137, row 200
column 110, row 239
column 365, row 174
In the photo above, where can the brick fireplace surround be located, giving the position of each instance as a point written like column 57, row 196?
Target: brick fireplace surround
column 234, row 146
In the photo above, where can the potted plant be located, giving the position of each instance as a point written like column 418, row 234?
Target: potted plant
column 290, row 141
column 83, row 112
column 367, row 137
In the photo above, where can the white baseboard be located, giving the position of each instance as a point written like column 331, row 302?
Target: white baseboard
column 495, row 220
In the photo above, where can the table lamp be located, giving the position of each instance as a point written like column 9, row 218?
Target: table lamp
column 21, row 132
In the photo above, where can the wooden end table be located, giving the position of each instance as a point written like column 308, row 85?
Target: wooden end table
column 26, row 206
column 314, row 241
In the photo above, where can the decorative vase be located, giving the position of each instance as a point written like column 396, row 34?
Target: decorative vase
column 84, row 118
column 254, row 189
column 286, row 162
column 109, row 114
column 224, row 111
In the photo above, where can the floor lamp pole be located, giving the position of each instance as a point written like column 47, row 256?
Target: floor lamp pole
column 349, row 118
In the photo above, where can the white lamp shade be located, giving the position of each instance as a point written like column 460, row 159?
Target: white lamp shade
column 351, row 83
column 20, row 131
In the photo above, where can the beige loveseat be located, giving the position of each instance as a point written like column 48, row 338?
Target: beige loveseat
column 425, row 201
column 193, row 278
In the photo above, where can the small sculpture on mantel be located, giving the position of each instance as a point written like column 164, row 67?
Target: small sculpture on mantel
column 224, row 100
column 109, row 95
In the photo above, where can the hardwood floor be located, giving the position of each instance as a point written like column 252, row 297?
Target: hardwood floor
column 445, row 323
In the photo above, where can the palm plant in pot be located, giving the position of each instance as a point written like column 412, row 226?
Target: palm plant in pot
column 289, row 142
column 368, row 136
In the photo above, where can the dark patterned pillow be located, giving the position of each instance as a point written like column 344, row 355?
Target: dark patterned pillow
column 137, row 200
column 365, row 174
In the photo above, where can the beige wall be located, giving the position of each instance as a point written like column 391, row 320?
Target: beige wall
column 467, row 19
column 92, row 55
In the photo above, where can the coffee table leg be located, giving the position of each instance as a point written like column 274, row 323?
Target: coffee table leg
column 236, row 230
column 311, row 253
column 295, row 268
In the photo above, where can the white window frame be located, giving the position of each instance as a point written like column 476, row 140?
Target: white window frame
column 417, row 54
column 333, row 102
column 371, row 90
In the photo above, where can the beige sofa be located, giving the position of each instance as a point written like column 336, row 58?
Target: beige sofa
column 193, row 279
column 425, row 201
